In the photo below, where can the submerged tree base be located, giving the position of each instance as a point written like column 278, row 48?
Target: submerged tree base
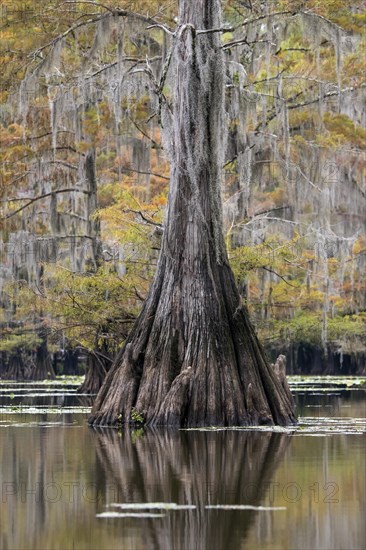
column 193, row 360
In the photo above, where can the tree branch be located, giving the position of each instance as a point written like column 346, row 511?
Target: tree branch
column 111, row 12
column 40, row 197
column 145, row 173
column 147, row 220
column 120, row 12
column 162, row 27
column 235, row 43
column 309, row 102
column 66, row 33
column 96, row 4
column 247, row 22
column 62, row 163
column 158, row 145
column 278, row 275
column 135, row 60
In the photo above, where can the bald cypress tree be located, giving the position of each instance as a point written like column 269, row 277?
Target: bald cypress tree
column 193, row 358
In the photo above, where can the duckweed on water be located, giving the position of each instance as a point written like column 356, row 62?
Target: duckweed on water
column 325, row 383
column 307, row 426
column 44, row 410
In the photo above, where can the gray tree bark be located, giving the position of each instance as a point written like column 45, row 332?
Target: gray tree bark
column 193, row 358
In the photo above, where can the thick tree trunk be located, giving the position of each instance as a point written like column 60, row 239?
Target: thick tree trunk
column 192, row 358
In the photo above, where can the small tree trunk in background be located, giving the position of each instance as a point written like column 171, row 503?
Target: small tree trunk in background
column 93, row 229
column 70, row 361
column 97, row 367
column 42, row 368
column 96, row 370
column 16, row 368
column 192, row 358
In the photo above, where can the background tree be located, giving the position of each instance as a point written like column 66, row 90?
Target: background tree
column 75, row 76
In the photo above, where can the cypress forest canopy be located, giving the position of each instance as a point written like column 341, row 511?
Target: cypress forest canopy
column 97, row 102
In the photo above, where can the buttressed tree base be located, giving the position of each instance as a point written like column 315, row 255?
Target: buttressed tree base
column 193, row 358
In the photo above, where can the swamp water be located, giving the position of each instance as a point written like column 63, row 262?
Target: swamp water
column 67, row 486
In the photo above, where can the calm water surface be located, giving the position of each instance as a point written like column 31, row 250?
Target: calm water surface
column 181, row 490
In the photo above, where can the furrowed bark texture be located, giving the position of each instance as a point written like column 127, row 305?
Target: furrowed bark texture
column 192, row 358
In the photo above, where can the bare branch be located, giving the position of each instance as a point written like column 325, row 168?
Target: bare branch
column 280, row 50
column 272, row 210
column 120, row 12
column 48, row 134
column 162, row 27
column 158, row 145
column 247, row 22
column 62, row 163
column 66, row 33
column 278, row 275
column 227, row 163
column 40, row 197
column 135, row 60
column 242, row 41
column 309, row 102
column 111, row 12
column 313, row 15
column 96, row 4
column 163, row 77
column 266, row 16
column 147, row 220
column 328, row 94
column 146, row 173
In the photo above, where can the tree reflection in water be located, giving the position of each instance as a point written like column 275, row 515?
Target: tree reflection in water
column 191, row 467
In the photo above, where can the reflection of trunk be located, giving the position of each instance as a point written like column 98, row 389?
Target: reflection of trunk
column 192, row 357
column 196, row 468
column 40, row 485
